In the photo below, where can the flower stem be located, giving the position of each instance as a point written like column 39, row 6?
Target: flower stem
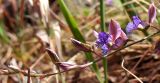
column 102, row 14
column 105, row 70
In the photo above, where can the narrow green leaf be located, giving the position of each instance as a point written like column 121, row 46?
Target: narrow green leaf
column 130, row 9
column 105, row 70
column 3, row 35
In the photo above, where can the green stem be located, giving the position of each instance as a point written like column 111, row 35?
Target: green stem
column 105, row 70
column 102, row 14
column 146, row 34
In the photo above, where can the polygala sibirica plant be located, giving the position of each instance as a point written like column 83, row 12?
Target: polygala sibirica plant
column 114, row 39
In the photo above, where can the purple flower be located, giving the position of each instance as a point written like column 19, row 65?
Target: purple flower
column 117, row 34
column 138, row 23
column 114, row 39
column 152, row 13
column 135, row 24
column 102, row 41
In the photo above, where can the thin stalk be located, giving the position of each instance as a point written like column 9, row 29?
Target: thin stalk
column 105, row 69
column 146, row 34
column 102, row 15
column 77, row 35
column 61, row 78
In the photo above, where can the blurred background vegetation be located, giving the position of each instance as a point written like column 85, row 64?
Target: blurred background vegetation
column 26, row 24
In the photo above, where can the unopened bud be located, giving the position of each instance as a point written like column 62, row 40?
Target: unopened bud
column 152, row 13
column 81, row 46
column 54, row 57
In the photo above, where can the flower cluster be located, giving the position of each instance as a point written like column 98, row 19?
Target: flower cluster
column 114, row 39
column 138, row 23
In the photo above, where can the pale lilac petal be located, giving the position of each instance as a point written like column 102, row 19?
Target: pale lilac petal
column 104, row 49
column 152, row 13
column 95, row 33
column 109, row 2
column 130, row 27
column 114, row 30
column 136, row 21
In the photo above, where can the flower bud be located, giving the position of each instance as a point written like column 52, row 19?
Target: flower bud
column 152, row 13
column 54, row 57
column 81, row 46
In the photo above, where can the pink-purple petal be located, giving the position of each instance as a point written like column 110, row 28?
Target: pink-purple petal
column 123, row 35
column 95, row 33
column 114, row 30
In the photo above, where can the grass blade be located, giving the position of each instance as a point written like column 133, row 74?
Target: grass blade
column 130, row 9
column 3, row 35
